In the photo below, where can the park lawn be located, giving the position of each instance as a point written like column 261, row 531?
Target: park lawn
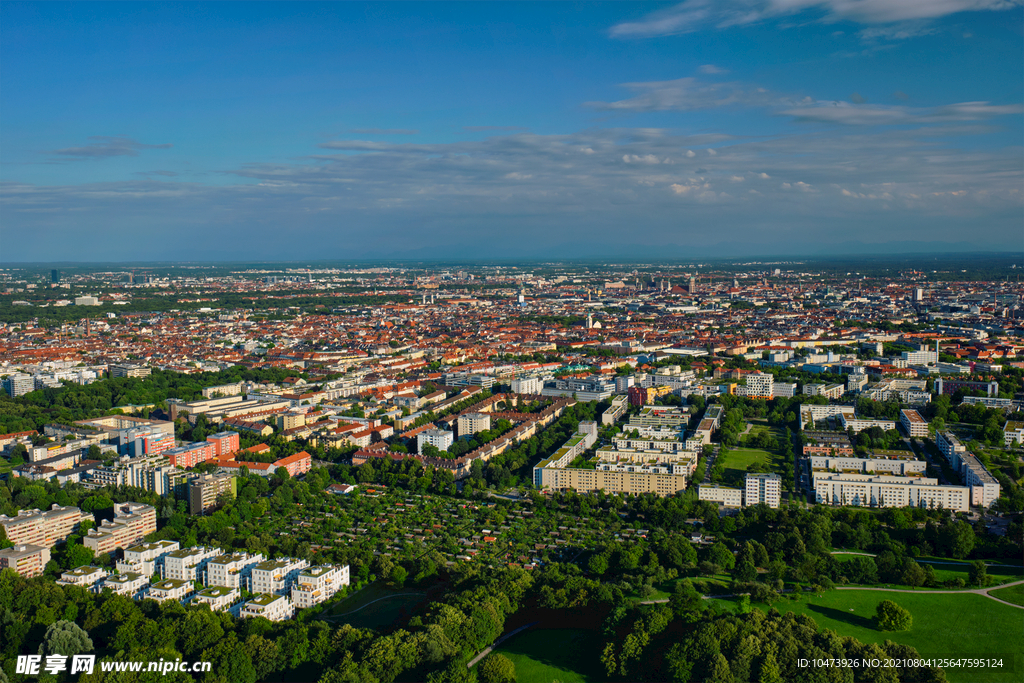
column 1014, row 594
column 546, row 655
column 736, row 461
column 946, row 570
column 945, row 625
column 388, row 605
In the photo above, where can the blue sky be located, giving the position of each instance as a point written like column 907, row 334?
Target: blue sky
column 160, row 131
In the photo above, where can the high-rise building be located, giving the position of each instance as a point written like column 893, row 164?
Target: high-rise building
column 55, row 276
column 203, row 491
column 132, row 521
column 763, row 488
column 18, row 384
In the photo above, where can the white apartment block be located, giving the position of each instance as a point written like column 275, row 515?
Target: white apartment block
column 913, row 424
column 763, row 488
column 527, row 385
column 170, row 589
column 128, row 584
column 316, row 584
column 146, row 558
column 784, row 389
column 920, row 357
column 887, row 491
column 441, row 439
column 471, row 423
column 723, row 495
column 187, row 564
column 760, row 385
column 906, row 468
column 830, row 391
column 950, row 447
column 859, row 424
column 232, row 570
column 276, row 576
column 86, row 576
column 218, row 598
column 268, row 606
column 1013, row 432
column 810, row 412
column 984, row 487
column 856, row 382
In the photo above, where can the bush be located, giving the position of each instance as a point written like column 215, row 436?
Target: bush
column 497, row 668
column 892, row 617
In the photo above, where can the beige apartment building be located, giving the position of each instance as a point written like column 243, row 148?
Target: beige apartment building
column 42, row 527
column 132, row 522
column 28, row 560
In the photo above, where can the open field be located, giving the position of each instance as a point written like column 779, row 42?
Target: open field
column 945, row 625
column 948, row 569
column 736, row 461
column 1014, row 594
column 546, row 655
column 375, row 606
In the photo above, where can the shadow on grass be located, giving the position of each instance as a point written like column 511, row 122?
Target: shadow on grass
column 571, row 650
column 840, row 615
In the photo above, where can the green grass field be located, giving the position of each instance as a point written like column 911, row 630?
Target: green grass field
column 1014, row 594
column 564, row 655
column 945, row 625
column 736, row 461
column 375, row 606
column 947, row 569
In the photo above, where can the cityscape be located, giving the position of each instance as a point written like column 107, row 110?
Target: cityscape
column 501, row 342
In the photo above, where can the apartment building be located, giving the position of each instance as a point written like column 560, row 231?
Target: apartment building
column 191, row 454
column 760, row 385
column 188, row 564
column 616, row 410
column 39, row 527
column 146, row 558
column 860, row 424
column 26, row 559
column 124, row 370
column 129, row 584
column 17, row 384
column 87, row 577
column 224, row 444
column 276, row 576
column 869, row 490
column 232, row 570
column 440, row 439
column 763, row 488
column 316, row 584
column 906, row 467
column 268, row 606
column 723, row 495
column 984, row 487
column 783, row 389
column 218, row 598
column 1013, row 433
column 170, row 589
column 950, row 447
column 132, row 522
column 471, row 423
column 913, row 424
column 830, row 391
column 527, row 385
column 204, row 490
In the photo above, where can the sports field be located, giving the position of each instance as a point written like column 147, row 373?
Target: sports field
column 945, row 625
column 564, row 655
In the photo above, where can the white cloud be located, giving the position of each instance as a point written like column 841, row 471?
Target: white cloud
column 690, row 153
column 854, row 114
column 712, row 70
column 687, row 94
column 694, row 15
column 515, row 175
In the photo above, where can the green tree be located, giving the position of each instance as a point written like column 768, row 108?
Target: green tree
column 978, row 573
column 65, row 638
column 497, row 668
column 598, row 564
column 892, row 617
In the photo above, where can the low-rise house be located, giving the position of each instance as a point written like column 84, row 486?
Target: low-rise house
column 130, row 584
column 170, row 589
column 86, row 576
